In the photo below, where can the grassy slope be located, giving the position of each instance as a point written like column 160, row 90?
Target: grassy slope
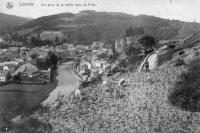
column 144, row 107
column 9, row 21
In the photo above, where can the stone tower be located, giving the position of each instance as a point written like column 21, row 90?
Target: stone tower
column 123, row 44
column 129, row 41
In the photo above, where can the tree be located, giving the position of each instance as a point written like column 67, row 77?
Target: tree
column 129, row 32
column 147, row 41
column 34, row 55
column 17, row 78
column 138, row 31
column 132, row 51
column 35, row 41
column 57, row 41
column 53, row 59
column 134, row 31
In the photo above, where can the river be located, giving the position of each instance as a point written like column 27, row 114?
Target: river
column 67, row 82
column 16, row 98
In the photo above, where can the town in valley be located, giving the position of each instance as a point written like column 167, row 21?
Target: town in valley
column 99, row 72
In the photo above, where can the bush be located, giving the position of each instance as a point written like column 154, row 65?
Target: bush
column 147, row 41
column 179, row 62
column 185, row 92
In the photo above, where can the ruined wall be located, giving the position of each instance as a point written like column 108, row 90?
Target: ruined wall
column 120, row 45
column 129, row 41
column 153, row 61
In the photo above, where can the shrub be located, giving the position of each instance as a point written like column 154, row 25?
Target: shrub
column 185, row 91
column 147, row 41
column 179, row 62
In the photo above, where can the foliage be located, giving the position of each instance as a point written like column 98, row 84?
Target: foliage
column 179, row 62
column 17, row 78
column 53, row 59
column 134, row 31
column 34, row 55
column 185, row 93
column 105, row 26
column 123, row 63
column 147, row 41
column 57, row 41
column 132, row 51
column 35, row 41
column 134, row 58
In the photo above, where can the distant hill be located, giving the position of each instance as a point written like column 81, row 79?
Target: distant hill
column 88, row 26
column 7, row 22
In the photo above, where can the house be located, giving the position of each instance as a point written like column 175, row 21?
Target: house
column 41, row 59
column 97, row 45
column 65, row 46
column 94, row 73
column 99, row 64
column 4, row 76
column 71, row 46
column 129, row 40
column 14, row 49
column 59, row 49
column 1, row 40
column 18, row 44
column 5, row 68
column 80, row 48
column 51, row 35
column 107, row 68
column 84, row 67
column 72, row 52
column 110, row 52
column 10, row 65
column 109, row 46
column 28, row 70
column 114, row 66
column 99, row 53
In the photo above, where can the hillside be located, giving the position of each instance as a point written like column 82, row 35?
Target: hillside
column 7, row 22
column 162, row 100
column 105, row 26
column 142, row 106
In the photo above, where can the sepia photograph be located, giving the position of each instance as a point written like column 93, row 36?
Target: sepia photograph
column 99, row 66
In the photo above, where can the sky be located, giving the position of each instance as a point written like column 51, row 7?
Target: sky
column 185, row 10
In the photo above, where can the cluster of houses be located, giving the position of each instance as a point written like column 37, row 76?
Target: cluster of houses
column 23, row 61
column 96, row 61
column 94, row 58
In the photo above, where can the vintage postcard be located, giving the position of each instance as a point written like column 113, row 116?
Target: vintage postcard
column 99, row 66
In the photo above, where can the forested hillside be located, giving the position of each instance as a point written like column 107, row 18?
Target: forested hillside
column 88, row 26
